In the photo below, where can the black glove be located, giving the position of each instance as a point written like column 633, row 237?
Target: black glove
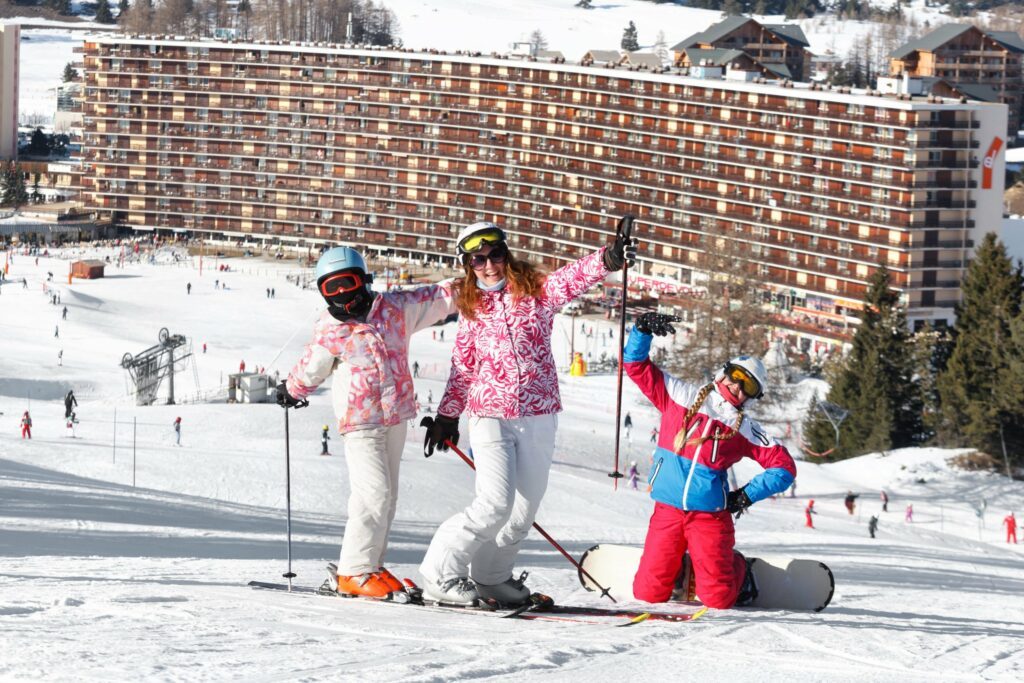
column 439, row 430
column 657, row 324
column 623, row 249
column 737, row 501
column 285, row 400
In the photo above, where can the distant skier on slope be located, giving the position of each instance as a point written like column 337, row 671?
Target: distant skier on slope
column 504, row 377
column 873, row 525
column 70, row 402
column 26, row 426
column 633, row 475
column 849, row 501
column 808, row 511
column 324, row 438
column 1010, row 522
column 704, row 431
column 362, row 340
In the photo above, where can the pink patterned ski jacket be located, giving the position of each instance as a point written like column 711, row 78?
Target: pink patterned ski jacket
column 502, row 364
column 370, row 359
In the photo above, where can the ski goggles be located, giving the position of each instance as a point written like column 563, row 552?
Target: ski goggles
column 340, row 283
column 477, row 240
column 750, row 386
column 497, row 256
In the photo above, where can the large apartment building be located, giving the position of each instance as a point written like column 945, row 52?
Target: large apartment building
column 966, row 57
column 811, row 189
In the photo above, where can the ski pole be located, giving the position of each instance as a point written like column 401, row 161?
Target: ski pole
column 625, row 227
column 427, row 421
column 288, row 491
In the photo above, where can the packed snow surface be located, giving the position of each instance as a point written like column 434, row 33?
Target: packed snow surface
column 126, row 557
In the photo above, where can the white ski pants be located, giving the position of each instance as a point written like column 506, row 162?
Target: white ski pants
column 512, row 458
column 373, row 457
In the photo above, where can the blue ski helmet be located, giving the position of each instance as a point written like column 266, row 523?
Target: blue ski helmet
column 337, row 259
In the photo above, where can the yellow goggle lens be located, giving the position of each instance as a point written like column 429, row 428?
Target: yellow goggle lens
column 475, row 242
column 748, row 383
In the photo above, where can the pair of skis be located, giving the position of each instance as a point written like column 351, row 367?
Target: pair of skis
column 539, row 607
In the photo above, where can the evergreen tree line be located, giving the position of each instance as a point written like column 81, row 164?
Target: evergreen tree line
column 950, row 388
column 299, row 20
column 792, row 9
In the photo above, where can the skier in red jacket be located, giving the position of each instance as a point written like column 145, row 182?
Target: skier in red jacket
column 704, row 431
column 26, row 426
column 808, row 511
column 1010, row 522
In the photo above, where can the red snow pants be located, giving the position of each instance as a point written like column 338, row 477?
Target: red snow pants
column 709, row 536
column 26, row 431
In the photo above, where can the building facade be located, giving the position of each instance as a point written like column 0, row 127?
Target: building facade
column 965, row 56
column 780, row 50
column 10, row 50
column 394, row 151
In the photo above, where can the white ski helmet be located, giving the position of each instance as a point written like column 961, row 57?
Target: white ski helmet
column 753, row 367
column 474, row 236
column 337, row 259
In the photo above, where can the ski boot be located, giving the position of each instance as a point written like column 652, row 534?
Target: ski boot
column 509, row 593
column 458, row 591
column 748, row 589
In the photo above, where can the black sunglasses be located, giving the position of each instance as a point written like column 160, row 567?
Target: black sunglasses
column 496, row 256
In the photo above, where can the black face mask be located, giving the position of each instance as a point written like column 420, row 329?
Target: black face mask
column 349, row 305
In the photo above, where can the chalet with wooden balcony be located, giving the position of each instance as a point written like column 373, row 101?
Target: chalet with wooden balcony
column 778, row 49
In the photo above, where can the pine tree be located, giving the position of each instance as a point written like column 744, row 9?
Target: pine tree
column 875, row 382
column 70, row 73
column 630, row 41
column 103, row 13
column 977, row 408
column 122, row 7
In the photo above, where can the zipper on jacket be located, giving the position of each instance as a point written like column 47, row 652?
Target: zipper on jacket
column 693, row 464
column 657, row 468
column 714, row 451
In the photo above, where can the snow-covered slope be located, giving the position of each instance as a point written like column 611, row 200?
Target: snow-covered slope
column 100, row 579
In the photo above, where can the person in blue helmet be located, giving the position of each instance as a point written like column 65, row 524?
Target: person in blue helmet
column 362, row 343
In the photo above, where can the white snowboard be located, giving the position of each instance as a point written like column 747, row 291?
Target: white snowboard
column 782, row 582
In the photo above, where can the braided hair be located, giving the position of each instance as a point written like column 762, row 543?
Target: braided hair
column 680, row 441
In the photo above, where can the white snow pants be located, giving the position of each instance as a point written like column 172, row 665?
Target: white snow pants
column 373, row 457
column 512, row 458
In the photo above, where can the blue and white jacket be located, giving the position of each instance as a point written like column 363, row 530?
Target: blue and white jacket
column 695, row 478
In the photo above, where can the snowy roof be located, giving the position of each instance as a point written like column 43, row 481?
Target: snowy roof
column 646, row 59
column 604, row 56
column 713, row 33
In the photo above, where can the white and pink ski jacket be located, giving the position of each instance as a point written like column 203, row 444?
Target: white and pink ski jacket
column 370, row 359
column 502, row 364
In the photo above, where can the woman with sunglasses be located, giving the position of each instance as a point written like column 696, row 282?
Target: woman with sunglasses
column 362, row 342
column 704, row 431
column 503, row 377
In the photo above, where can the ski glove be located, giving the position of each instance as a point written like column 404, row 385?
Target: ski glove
column 657, row 324
column 440, row 430
column 736, row 502
column 622, row 251
column 285, row 400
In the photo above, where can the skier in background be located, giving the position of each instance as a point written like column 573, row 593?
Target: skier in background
column 26, row 426
column 415, row 369
column 504, row 377
column 885, row 501
column 324, row 438
column 633, row 474
column 909, row 515
column 188, row 288
column 849, row 501
column 654, row 435
column 1011, row 528
column 177, row 431
column 69, row 402
column 808, row 511
column 362, row 341
column 627, row 422
column 704, row 432
column 873, row 525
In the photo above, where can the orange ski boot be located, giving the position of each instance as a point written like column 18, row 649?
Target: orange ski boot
column 391, row 580
column 370, row 585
